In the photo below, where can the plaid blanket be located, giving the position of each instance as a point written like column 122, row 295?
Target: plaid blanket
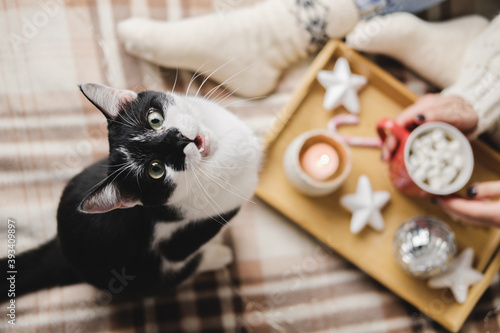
column 281, row 280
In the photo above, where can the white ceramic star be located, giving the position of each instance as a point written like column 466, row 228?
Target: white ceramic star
column 459, row 276
column 341, row 86
column 365, row 206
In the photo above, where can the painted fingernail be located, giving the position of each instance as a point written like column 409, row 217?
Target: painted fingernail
column 472, row 191
column 382, row 157
column 420, row 117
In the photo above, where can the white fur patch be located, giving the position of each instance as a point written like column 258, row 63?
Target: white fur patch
column 102, row 201
column 227, row 178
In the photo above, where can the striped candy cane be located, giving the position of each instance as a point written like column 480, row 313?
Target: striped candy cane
column 351, row 119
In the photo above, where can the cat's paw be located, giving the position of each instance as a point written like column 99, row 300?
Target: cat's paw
column 214, row 257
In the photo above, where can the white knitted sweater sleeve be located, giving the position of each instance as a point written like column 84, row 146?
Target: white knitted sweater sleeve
column 479, row 80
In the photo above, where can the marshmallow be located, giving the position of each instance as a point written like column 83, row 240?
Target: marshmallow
column 435, row 156
column 454, row 146
column 416, row 145
column 426, row 140
column 415, row 159
column 449, row 173
column 436, row 183
column 421, row 172
column 433, row 172
column 425, row 149
column 458, row 161
column 448, row 156
column 437, row 135
column 441, row 146
column 435, row 159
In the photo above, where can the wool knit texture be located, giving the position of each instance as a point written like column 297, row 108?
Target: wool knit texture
column 248, row 48
column 479, row 80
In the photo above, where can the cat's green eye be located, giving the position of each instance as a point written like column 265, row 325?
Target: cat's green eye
column 156, row 169
column 155, row 119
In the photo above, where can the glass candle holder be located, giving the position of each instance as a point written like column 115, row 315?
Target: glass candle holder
column 317, row 163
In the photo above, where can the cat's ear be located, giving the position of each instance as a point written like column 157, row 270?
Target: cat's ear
column 105, row 198
column 107, row 99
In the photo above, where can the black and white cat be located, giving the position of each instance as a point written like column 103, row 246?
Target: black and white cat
column 179, row 168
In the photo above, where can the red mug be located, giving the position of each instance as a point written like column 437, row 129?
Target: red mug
column 399, row 173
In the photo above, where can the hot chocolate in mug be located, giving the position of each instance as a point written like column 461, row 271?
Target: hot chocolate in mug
column 433, row 159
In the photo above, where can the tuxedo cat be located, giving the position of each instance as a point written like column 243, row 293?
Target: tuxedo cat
column 143, row 220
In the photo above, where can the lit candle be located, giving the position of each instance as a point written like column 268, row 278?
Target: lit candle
column 320, row 161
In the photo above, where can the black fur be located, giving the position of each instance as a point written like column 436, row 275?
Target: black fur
column 38, row 269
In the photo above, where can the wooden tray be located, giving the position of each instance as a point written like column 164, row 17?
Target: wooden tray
column 327, row 221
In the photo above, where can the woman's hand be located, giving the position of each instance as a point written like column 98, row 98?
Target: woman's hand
column 453, row 110
column 479, row 209
column 482, row 207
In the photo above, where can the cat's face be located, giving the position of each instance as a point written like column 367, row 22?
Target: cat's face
column 171, row 149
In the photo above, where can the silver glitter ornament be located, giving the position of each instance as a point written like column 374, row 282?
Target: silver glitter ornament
column 424, row 246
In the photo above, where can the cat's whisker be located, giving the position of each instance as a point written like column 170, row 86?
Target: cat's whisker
column 229, row 167
column 137, row 178
column 224, row 90
column 229, row 156
column 211, row 91
column 111, row 165
column 128, row 173
column 207, row 197
column 219, row 101
column 125, row 117
column 220, row 185
column 124, row 169
column 136, row 87
column 134, row 120
column 137, row 120
column 208, row 77
column 226, row 96
column 175, row 81
column 195, row 75
column 220, row 180
column 105, row 179
column 211, row 217
column 209, row 214
column 244, row 100
column 126, row 124
column 227, row 80
column 187, row 184
column 226, row 167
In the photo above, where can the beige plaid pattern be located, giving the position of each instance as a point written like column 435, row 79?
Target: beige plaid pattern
column 281, row 280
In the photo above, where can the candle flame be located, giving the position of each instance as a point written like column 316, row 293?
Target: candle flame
column 324, row 160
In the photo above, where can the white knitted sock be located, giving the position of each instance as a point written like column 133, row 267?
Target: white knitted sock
column 432, row 50
column 247, row 48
